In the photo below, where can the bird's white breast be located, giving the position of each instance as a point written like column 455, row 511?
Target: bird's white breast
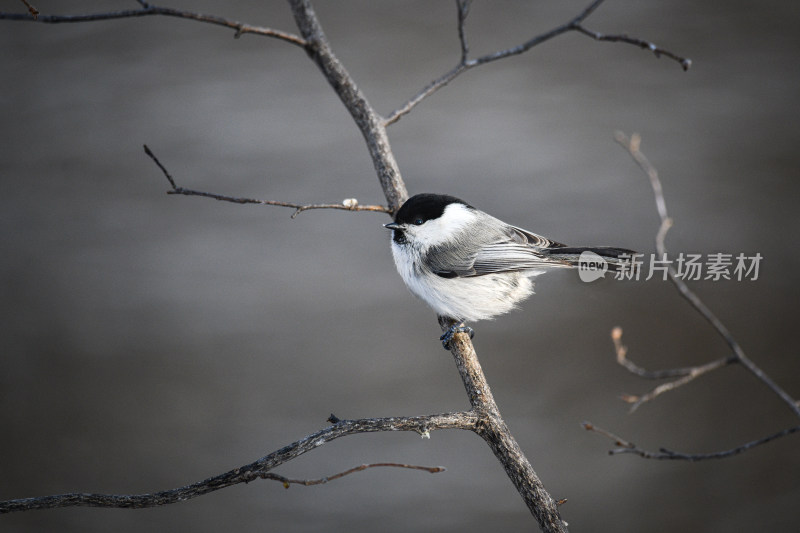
column 462, row 298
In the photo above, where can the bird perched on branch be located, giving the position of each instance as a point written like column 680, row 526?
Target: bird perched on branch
column 468, row 265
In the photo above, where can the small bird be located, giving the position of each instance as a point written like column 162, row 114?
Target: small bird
column 468, row 265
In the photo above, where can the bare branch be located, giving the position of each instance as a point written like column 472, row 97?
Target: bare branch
column 465, row 63
column 426, row 91
column 572, row 25
column 685, row 62
column 632, row 144
column 685, row 374
column 694, row 372
column 349, row 204
column 622, row 359
column 31, row 9
column 148, row 9
column 258, row 469
column 664, row 453
column 492, row 428
column 321, row 481
column 370, row 124
column 484, row 418
column 167, row 175
column 463, row 12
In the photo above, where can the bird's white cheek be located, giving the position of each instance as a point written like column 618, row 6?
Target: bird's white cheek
column 447, row 228
column 423, row 238
column 433, row 233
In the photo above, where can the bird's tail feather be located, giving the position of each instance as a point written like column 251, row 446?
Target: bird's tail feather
column 616, row 258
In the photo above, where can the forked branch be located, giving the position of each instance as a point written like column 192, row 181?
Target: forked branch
column 687, row 374
column 464, row 64
column 484, row 417
column 684, row 375
column 632, row 144
column 260, row 469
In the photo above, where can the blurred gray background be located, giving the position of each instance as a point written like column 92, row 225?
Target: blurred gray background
column 150, row 341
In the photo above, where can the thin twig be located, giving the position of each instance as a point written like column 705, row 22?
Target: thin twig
column 321, row 481
column 576, row 24
column 572, row 25
column 349, row 204
column 632, row 145
column 463, row 12
column 31, row 9
column 664, row 453
column 149, row 9
column 622, row 359
column 152, row 156
column 685, row 374
column 256, row 470
column 685, row 62
column 694, row 372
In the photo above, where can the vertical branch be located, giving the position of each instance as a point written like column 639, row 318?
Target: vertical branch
column 463, row 11
column 493, row 429
column 368, row 121
column 491, row 426
column 632, row 144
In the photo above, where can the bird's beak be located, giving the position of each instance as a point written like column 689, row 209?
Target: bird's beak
column 392, row 225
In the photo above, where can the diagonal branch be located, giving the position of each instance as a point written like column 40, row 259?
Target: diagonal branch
column 622, row 359
column 576, row 24
column 493, row 429
column 685, row 62
column 693, row 372
column 349, row 204
column 149, row 9
column 31, row 9
column 366, row 118
column 632, row 144
column 625, row 446
column 685, row 375
column 491, row 426
column 255, row 470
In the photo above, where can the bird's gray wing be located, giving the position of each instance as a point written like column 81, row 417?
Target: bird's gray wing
column 509, row 250
column 512, row 257
column 453, row 260
column 523, row 236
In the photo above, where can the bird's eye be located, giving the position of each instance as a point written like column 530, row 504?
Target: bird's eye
column 419, row 221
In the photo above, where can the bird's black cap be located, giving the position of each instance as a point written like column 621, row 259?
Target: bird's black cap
column 424, row 207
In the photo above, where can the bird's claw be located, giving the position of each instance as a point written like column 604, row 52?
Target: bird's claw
column 452, row 330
